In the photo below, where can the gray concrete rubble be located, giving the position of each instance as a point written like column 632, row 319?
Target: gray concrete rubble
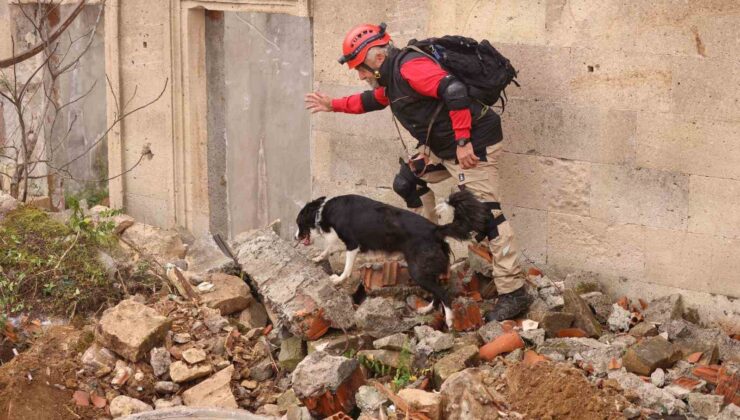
column 291, row 285
column 382, row 316
column 162, row 245
column 204, row 256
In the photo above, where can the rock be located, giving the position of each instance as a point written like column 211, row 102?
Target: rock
column 131, row 329
column 271, row 410
column 293, row 287
column 249, row 384
column 678, row 391
column 467, row 396
column 212, row 392
column 124, row 406
column 538, row 308
column 162, row 245
column 381, row 317
column 160, row 360
column 643, row 329
column 194, row 355
column 327, row 384
column 568, row 347
column 369, row 399
column 657, row 378
column 7, row 204
column 533, row 337
column 553, row 322
column 181, row 372
column 230, row 294
column 690, row 338
column 453, row 363
column 395, row 359
column 298, row 413
column 631, row 412
column 490, row 331
column 664, row 309
column 286, row 399
column 598, row 359
column 161, row 403
column 181, row 338
column 648, row 395
column 262, row 371
column 426, row 402
column 704, row 405
column 336, row 344
column 166, row 387
column 291, row 353
column 584, row 318
column 98, row 360
column 436, row 340
column 397, row 342
column 620, row 319
column 600, row 304
column 516, row 355
column 204, row 256
column 254, row 316
column 730, row 412
column 649, row 354
column 552, row 297
column 121, row 374
column 213, row 319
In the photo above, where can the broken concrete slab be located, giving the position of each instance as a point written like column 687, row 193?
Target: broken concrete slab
column 204, row 256
column 291, row 285
column 649, row 354
column 435, row 340
column 490, row 331
column 180, row 372
column 648, row 395
column 568, row 347
column 162, row 245
column 466, row 395
column 705, row 405
column 553, row 322
column 619, row 319
column 664, row 309
column 131, row 329
column 369, row 399
column 213, row 392
column 397, row 342
column 584, row 318
column 327, row 384
column 600, row 303
column 253, row 316
column 123, row 405
column 291, row 353
column 230, row 294
column 394, row 359
column 421, row 401
column 690, row 338
column 644, row 329
column 453, row 363
column 194, row 355
column 381, row 317
column 98, row 360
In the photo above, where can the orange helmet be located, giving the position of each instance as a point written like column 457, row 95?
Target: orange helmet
column 359, row 40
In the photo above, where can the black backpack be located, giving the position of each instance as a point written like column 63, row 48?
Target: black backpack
column 478, row 65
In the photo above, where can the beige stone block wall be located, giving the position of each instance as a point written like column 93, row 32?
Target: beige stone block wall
column 621, row 145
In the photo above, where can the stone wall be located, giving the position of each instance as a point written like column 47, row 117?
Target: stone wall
column 621, row 144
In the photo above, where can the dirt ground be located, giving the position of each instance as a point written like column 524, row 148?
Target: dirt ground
column 51, row 365
column 557, row 391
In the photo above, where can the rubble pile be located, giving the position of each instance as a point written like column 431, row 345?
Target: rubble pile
column 278, row 339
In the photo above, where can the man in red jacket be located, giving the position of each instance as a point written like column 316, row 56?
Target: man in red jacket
column 459, row 138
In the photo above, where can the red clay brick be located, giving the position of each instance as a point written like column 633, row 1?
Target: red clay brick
column 729, row 385
column 466, row 314
column 708, row 373
column 687, row 383
column 571, row 332
column 341, row 400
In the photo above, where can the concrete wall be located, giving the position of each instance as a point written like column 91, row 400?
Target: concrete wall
column 621, row 145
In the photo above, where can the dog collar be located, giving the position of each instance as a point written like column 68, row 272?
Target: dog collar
column 318, row 213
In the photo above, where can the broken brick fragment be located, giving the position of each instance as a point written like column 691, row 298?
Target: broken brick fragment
column 504, row 343
column 729, row 384
column 481, row 251
column 694, row 357
column 687, row 383
column 624, row 303
column 467, row 316
column 708, row 373
column 531, row 357
column 571, row 332
column 327, row 384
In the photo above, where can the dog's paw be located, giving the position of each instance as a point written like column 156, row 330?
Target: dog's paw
column 425, row 309
column 448, row 318
column 336, row 279
column 318, row 259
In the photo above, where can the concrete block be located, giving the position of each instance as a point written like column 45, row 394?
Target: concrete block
column 509, row 21
column 700, row 89
column 620, row 80
column 582, row 243
column 713, row 205
column 529, row 60
column 590, row 134
column 545, row 183
column 679, row 143
column 639, row 196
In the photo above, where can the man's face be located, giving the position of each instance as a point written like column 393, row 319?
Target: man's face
column 365, row 71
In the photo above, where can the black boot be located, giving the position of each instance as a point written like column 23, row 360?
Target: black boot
column 509, row 305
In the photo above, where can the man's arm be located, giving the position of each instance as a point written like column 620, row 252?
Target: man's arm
column 428, row 78
column 371, row 100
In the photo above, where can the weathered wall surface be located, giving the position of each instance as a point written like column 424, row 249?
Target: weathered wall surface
column 145, row 66
column 621, row 145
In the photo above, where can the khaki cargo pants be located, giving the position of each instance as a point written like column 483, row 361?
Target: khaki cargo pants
column 483, row 181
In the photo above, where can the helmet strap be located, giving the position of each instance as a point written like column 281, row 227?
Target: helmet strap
column 376, row 73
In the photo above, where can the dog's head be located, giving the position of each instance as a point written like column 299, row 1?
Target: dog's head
column 306, row 220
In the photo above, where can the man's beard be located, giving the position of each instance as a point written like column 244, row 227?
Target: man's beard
column 373, row 83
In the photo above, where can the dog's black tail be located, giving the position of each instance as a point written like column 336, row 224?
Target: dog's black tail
column 470, row 216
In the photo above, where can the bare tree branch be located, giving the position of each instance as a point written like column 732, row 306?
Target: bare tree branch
column 41, row 46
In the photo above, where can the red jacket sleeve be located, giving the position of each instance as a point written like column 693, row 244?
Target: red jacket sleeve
column 371, row 100
column 424, row 75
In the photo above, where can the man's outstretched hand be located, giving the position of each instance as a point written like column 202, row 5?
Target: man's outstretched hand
column 318, row 102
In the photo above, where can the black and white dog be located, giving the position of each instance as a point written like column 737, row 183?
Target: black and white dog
column 363, row 225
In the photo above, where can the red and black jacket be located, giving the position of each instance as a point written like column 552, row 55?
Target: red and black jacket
column 413, row 85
